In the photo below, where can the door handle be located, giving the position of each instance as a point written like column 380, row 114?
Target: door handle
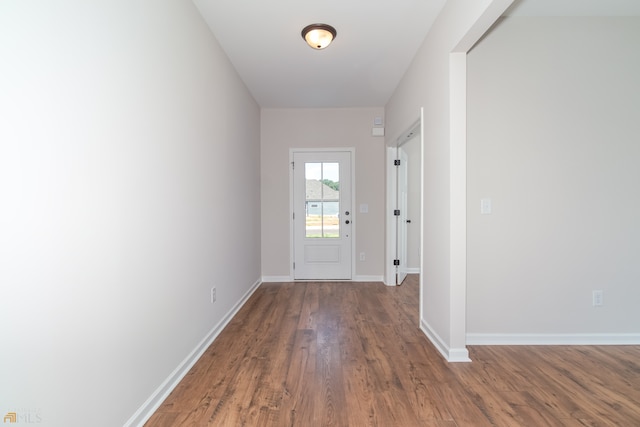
column 347, row 222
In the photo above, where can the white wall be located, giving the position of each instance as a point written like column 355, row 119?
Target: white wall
column 428, row 83
column 554, row 120
column 283, row 129
column 129, row 186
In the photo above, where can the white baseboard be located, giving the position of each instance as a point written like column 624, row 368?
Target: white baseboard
column 160, row 394
column 450, row 354
column 415, row 270
column 276, row 279
column 285, row 279
column 367, row 279
column 553, row 339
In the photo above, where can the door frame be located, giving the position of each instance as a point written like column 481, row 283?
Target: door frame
column 401, row 221
column 392, row 191
column 354, row 224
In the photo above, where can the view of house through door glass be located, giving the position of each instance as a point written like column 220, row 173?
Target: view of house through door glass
column 322, row 215
column 322, row 205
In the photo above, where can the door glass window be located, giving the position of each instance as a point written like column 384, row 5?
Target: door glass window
column 322, row 205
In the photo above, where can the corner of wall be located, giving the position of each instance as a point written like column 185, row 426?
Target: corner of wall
column 450, row 354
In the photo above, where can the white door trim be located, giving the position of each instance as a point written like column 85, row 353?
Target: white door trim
column 354, row 224
column 390, row 270
column 392, row 191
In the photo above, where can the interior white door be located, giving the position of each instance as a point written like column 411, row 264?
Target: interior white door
column 322, row 215
column 401, row 220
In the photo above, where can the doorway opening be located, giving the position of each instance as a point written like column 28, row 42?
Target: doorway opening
column 404, row 205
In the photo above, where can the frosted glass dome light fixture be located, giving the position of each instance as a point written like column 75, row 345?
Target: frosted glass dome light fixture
column 318, row 36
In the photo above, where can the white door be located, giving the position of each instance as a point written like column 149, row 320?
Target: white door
column 322, row 216
column 401, row 219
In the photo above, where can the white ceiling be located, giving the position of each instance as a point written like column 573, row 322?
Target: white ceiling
column 376, row 42
column 575, row 8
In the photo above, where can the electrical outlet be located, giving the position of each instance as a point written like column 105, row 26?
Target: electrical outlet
column 597, row 298
column 213, row 295
column 362, row 256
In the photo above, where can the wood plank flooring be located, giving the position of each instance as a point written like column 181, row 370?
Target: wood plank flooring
column 351, row 354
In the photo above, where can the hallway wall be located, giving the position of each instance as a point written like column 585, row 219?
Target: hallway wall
column 118, row 123
column 282, row 129
column 554, row 119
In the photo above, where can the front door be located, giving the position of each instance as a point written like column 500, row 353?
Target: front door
column 322, row 216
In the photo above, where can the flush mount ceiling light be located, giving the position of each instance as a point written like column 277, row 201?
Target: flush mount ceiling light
column 318, row 36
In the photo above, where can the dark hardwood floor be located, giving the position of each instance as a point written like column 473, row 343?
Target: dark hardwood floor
column 351, row 354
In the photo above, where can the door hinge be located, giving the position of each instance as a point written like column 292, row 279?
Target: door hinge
column 396, row 212
column 293, row 165
column 294, row 265
column 396, row 162
column 396, row 262
column 294, row 215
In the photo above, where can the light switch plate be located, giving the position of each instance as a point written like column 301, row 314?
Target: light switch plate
column 485, row 206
